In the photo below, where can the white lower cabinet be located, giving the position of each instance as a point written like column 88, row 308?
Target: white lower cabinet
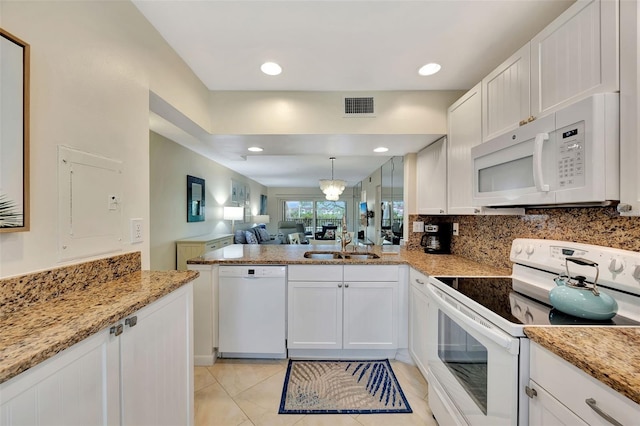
column 142, row 376
column 562, row 394
column 343, row 307
column 156, row 363
column 418, row 304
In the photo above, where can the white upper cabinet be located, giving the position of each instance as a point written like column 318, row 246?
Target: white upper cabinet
column 464, row 121
column 431, row 164
column 629, row 108
column 575, row 56
column 505, row 99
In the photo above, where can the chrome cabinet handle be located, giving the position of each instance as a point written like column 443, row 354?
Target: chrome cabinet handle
column 346, row 285
column 593, row 405
column 116, row 330
column 132, row 321
column 340, row 285
column 419, row 281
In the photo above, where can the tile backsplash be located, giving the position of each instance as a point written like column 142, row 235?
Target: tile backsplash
column 487, row 239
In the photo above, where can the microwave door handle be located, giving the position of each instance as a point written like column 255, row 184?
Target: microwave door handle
column 504, row 341
column 537, row 162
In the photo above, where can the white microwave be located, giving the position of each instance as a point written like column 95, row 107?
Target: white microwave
column 570, row 156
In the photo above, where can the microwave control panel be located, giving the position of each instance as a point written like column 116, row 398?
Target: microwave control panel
column 570, row 156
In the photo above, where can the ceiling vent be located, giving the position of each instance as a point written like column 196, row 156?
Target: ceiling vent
column 358, row 107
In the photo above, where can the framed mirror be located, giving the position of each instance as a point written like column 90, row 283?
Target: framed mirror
column 195, row 199
column 14, row 133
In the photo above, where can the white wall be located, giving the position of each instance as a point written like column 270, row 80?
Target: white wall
column 397, row 112
column 170, row 163
column 92, row 66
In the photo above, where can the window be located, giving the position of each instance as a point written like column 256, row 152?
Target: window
column 315, row 214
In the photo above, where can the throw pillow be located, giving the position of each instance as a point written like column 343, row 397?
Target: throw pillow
column 240, row 238
column 263, row 235
column 251, row 237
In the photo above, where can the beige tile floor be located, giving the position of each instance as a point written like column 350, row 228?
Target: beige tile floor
column 247, row 392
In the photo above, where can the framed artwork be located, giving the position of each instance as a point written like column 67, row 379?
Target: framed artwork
column 247, row 205
column 235, row 191
column 263, row 204
column 195, row 199
column 14, row 141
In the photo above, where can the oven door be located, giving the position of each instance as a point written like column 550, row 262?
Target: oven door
column 474, row 364
column 516, row 168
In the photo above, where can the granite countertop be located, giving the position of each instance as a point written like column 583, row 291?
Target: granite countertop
column 42, row 329
column 293, row 254
column 608, row 354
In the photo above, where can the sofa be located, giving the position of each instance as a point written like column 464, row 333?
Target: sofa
column 255, row 235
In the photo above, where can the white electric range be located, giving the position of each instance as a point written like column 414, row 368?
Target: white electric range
column 478, row 357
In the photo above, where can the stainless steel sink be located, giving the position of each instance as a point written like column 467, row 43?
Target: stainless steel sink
column 360, row 256
column 323, row 255
column 328, row 255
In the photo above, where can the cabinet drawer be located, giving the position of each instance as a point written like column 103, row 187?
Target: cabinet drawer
column 418, row 280
column 226, row 241
column 211, row 245
column 315, row 272
column 574, row 387
column 371, row 273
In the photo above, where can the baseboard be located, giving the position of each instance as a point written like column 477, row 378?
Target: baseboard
column 403, row 355
column 203, row 360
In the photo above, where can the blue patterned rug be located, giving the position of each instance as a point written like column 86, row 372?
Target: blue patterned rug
column 341, row 387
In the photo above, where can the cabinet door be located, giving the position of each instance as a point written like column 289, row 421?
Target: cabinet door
column 205, row 314
column 432, row 178
column 157, row 363
column 370, row 315
column 419, row 302
column 79, row 386
column 186, row 251
column 464, row 120
column 505, row 95
column 315, row 315
column 575, row 56
column 630, row 108
column 545, row 410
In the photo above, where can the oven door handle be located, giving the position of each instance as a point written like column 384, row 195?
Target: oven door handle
column 505, row 341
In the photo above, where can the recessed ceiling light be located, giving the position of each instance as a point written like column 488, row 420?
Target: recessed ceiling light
column 429, row 69
column 255, row 149
column 271, row 68
column 381, row 149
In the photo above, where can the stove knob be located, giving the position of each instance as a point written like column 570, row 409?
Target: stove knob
column 616, row 265
column 517, row 248
column 528, row 317
column 517, row 309
column 636, row 272
column 529, row 250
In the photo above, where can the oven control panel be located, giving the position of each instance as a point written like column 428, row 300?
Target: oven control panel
column 618, row 269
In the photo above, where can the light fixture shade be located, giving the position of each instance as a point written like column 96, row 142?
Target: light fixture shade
column 332, row 188
column 261, row 218
column 233, row 213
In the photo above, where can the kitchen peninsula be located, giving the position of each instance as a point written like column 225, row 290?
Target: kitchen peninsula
column 87, row 344
column 419, row 266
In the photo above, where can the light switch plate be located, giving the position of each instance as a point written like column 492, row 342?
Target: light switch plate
column 455, row 229
column 418, row 226
column 136, row 231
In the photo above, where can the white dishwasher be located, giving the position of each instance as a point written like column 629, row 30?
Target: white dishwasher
column 252, row 311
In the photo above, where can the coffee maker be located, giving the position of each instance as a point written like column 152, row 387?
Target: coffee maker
column 437, row 238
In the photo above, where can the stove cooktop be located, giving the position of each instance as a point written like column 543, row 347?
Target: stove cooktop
column 497, row 295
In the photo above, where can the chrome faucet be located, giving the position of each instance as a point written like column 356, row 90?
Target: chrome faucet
column 345, row 239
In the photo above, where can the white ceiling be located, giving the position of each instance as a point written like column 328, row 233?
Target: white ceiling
column 358, row 45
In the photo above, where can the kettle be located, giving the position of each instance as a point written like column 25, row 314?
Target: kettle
column 580, row 299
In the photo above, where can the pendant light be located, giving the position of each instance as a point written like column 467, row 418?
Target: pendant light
column 334, row 187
